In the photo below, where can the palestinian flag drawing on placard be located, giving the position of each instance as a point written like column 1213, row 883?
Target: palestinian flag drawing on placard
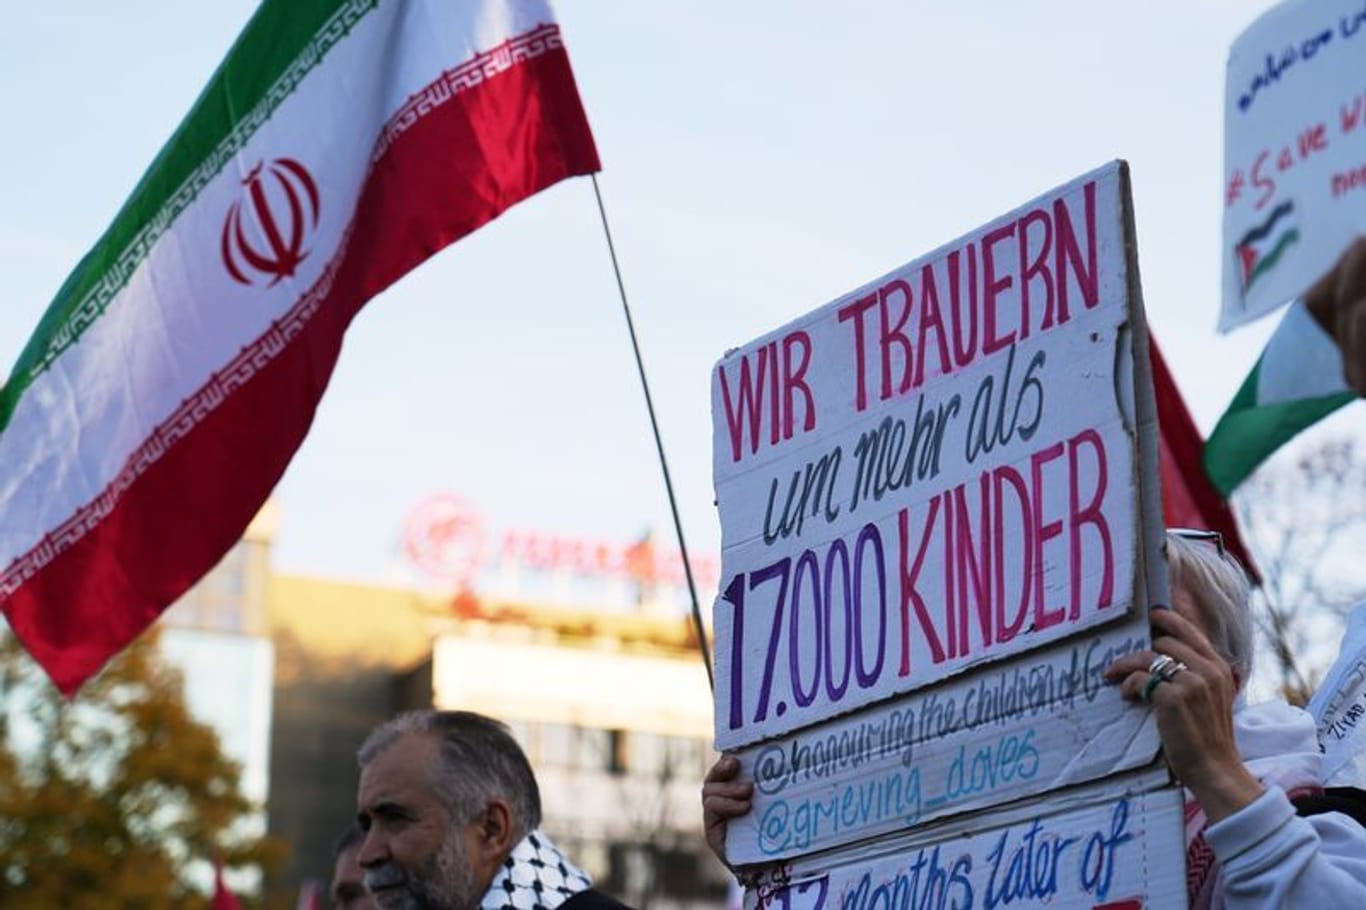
column 1262, row 247
column 340, row 144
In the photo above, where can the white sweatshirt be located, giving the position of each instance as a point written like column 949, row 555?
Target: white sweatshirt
column 1271, row 857
column 1274, row 858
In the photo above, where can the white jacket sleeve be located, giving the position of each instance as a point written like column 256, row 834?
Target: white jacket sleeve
column 1272, row 857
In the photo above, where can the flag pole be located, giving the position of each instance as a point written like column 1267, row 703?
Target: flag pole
column 659, row 443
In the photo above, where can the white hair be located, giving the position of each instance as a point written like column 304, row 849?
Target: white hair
column 1219, row 586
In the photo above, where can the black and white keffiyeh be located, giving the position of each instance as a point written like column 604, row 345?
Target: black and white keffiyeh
column 535, row 876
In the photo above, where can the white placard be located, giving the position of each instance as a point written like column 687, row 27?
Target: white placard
column 1339, row 709
column 1117, row 846
column 1022, row 728
column 1294, row 152
column 936, row 471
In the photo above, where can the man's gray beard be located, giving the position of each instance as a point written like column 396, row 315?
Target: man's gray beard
column 446, row 883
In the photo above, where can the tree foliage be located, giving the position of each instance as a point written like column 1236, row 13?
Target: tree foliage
column 111, row 799
column 1305, row 522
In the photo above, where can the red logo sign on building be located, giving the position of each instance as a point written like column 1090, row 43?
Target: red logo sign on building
column 445, row 538
column 264, row 232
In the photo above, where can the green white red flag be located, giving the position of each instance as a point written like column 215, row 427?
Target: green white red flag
column 340, row 144
column 1297, row 381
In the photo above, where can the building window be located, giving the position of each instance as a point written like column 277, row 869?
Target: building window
column 576, row 748
column 649, row 756
column 688, row 756
column 555, row 746
column 523, row 731
column 592, row 749
column 621, row 752
column 217, row 603
column 656, row 757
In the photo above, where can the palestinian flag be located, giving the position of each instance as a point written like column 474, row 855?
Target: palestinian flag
column 1263, row 246
column 341, row 143
column 1297, row 381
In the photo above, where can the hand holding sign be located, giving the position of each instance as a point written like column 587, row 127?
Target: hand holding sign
column 1194, row 708
column 1337, row 302
column 723, row 798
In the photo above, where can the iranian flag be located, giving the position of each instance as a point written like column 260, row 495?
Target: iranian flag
column 176, row 372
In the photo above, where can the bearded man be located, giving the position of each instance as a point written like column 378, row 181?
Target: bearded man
column 450, row 809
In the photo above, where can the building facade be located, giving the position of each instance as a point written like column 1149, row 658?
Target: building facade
column 611, row 705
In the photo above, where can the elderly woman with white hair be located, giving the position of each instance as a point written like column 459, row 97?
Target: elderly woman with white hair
column 1245, row 768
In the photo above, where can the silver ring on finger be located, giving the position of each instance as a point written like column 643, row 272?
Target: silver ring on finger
column 1169, row 671
column 1160, row 664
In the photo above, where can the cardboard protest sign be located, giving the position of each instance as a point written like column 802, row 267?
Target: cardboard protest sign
column 1294, row 152
column 1117, row 846
column 940, row 523
column 1339, row 709
column 936, row 471
column 1008, row 731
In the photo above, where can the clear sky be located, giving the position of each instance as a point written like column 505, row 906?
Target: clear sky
column 759, row 160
